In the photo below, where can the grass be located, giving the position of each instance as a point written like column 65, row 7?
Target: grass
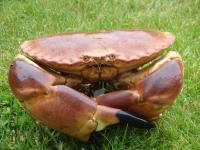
column 25, row 19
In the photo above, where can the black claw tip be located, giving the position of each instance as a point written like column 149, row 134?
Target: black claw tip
column 138, row 122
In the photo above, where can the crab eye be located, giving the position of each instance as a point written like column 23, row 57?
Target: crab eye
column 112, row 57
column 86, row 58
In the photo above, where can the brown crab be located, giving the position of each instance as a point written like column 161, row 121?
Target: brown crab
column 55, row 75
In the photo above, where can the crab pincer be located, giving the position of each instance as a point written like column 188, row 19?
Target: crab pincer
column 50, row 77
column 150, row 91
column 44, row 94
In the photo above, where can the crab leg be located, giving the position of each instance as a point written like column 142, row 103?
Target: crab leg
column 150, row 91
column 46, row 96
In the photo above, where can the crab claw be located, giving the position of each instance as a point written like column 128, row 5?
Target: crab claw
column 45, row 95
column 150, row 91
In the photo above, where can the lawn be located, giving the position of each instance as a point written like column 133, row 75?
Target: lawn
column 179, row 128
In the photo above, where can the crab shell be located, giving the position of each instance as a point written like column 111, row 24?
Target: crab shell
column 41, row 79
column 83, row 53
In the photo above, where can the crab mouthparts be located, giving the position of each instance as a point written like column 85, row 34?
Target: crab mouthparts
column 99, row 72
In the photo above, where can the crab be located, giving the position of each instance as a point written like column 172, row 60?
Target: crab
column 79, row 83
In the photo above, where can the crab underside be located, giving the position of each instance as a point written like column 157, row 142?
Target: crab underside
column 78, row 83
